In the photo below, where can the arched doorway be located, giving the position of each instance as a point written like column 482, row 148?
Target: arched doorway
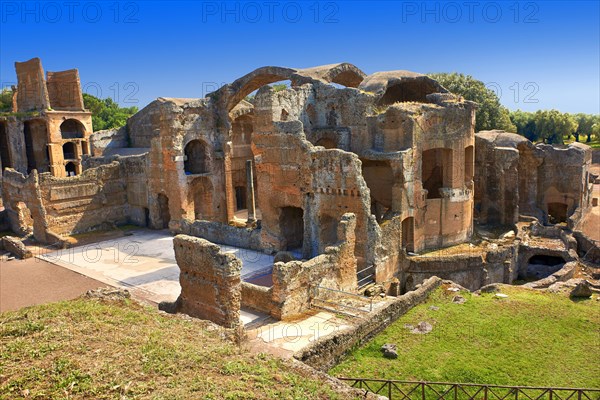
column 196, row 158
column 70, row 169
column 72, row 129
column 408, row 234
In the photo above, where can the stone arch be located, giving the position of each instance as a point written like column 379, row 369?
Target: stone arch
column 196, row 157
column 344, row 74
column 242, row 87
column 408, row 90
column 401, row 86
column 347, row 75
column 72, row 129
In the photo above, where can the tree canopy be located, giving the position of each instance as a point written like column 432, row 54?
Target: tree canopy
column 106, row 113
column 490, row 113
column 6, row 99
column 554, row 127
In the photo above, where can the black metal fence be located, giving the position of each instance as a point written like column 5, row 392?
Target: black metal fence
column 411, row 390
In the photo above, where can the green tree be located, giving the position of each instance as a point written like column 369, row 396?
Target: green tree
column 553, row 127
column 490, row 113
column 6, row 99
column 525, row 123
column 585, row 126
column 106, row 113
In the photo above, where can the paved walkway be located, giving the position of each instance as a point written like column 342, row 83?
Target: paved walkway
column 144, row 263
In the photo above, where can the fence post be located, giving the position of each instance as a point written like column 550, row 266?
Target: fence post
column 485, row 393
column 389, row 390
column 423, row 390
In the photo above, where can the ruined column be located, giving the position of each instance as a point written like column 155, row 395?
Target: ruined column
column 250, row 193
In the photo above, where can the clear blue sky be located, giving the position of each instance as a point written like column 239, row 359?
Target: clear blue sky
column 544, row 51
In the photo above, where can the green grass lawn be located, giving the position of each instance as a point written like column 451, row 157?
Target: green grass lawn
column 530, row 338
column 95, row 349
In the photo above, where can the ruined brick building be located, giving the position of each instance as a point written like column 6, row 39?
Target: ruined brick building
column 261, row 168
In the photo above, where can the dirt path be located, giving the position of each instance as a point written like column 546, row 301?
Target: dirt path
column 28, row 282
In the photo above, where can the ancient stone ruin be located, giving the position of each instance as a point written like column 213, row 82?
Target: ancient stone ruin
column 360, row 179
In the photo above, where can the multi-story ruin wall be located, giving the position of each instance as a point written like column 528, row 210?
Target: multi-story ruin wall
column 48, row 129
column 514, row 177
column 279, row 168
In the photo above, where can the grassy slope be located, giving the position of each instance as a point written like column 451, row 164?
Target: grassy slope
column 115, row 350
column 529, row 338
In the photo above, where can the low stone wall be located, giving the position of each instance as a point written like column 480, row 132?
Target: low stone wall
column 293, row 282
column 526, row 251
column 587, row 248
column 258, row 298
column 564, row 274
column 217, row 232
column 330, row 350
column 16, row 247
column 210, row 281
column 596, row 156
column 467, row 270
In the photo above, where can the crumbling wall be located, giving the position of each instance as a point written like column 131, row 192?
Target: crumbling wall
column 515, row 177
column 210, row 281
column 563, row 178
column 64, row 90
column 328, row 351
column 32, row 93
column 102, row 142
column 294, row 282
column 258, row 298
column 216, row 232
column 292, row 173
column 95, row 199
column 15, row 246
column 22, row 200
column 167, row 126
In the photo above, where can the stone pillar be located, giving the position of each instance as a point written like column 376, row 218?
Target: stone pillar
column 229, row 194
column 250, row 193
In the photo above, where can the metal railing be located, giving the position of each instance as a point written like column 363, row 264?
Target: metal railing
column 365, row 276
column 412, row 390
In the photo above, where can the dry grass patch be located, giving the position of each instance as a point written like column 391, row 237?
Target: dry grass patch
column 99, row 349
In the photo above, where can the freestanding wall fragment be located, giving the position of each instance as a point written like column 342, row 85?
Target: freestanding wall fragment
column 210, row 281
